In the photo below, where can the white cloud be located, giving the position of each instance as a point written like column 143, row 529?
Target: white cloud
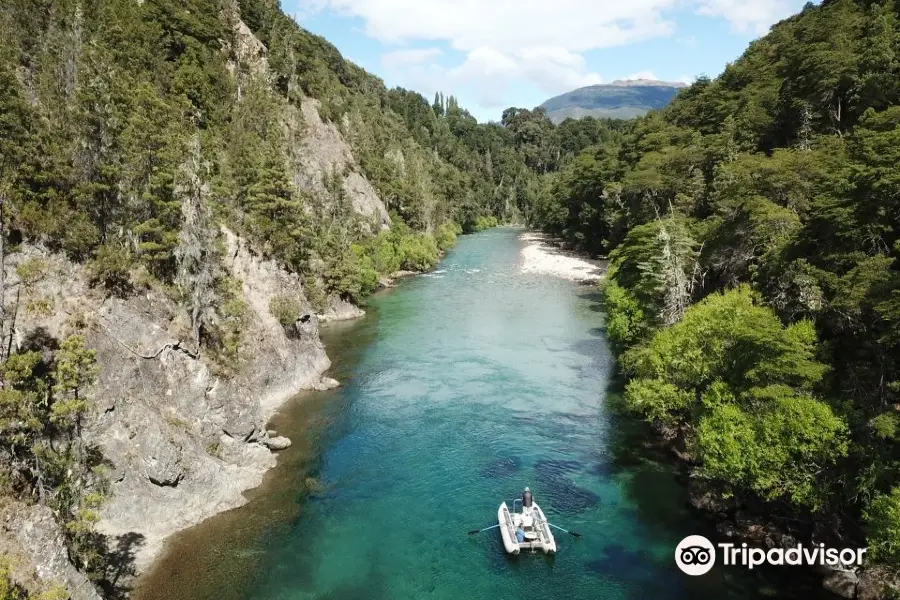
column 413, row 56
column 508, row 25
column 514, row 25
column 687, row 79
column 555, row 70
column 535, row 43
column 490, row 74
column 747, row 16
column 689, row 41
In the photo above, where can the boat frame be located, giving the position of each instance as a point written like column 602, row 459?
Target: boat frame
column 532, row 522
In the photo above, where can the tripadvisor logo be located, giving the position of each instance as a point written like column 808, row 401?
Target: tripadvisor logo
column 696, row 555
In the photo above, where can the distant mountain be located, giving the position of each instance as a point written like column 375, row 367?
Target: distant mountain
column 619, row 99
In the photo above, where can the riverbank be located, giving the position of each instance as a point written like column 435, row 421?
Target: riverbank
column 222, row 552
column 541, row 254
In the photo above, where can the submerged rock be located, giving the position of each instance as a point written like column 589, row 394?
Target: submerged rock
column 502, row 467
column 561, row 492
column 326, row 383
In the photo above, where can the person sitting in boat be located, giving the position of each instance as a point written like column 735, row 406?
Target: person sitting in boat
column 520, row 535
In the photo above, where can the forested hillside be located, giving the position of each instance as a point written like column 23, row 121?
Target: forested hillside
column 130, row 134
column 753, row 228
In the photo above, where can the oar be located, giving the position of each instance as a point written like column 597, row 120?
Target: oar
column 576, row 534
column 474, row 531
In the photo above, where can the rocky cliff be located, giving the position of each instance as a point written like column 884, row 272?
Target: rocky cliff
column 324, row 151
column 182, row 438
column 182, row 442
column 32, row 541
column 321, row 150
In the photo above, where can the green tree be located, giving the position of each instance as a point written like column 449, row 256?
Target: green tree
column 883, row 521
column 196, row 254
column 153, row 139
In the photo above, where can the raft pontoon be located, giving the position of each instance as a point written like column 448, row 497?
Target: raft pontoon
column 525, row 528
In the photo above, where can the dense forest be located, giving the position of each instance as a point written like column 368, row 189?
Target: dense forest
column 131, row 131
column 753, row 298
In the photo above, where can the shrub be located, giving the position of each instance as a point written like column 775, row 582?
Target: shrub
column 778, row 450
column 110, row 268
column 446, row 235
column 384, row 254
column 314, row 293
column 352, row 275
column 418, row 252
column 883, row 525
column 31, row 271
column 286, row 309
column 485, row 222
column 656, row 399
column 625, row 321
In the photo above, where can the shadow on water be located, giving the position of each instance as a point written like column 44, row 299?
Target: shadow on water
column 502, row 467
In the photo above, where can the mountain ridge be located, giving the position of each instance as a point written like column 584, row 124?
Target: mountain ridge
column 621, row 99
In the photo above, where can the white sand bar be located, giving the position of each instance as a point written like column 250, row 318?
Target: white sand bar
column 539, row 255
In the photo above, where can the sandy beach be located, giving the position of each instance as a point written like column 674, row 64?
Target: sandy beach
column 539, row 255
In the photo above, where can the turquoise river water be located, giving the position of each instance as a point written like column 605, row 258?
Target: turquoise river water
column 459, row 388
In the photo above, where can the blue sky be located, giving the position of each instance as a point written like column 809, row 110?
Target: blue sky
column 492, row 54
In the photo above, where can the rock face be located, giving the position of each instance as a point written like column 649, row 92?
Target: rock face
column 340, row 310
column 316, row 148
column 30, row 536
column 183, row 442
column 324, row 152
column 248, row 49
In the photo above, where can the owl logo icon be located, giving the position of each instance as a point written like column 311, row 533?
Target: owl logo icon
column 695, row 555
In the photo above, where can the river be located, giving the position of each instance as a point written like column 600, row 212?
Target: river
column 459, row 388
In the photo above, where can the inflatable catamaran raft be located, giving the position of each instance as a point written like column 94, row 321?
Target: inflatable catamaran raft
column 525, row 527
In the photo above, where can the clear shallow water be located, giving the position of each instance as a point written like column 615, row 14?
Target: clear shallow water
column 460, row 388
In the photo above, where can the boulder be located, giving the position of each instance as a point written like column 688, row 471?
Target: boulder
column 307, row 325
column 340, row 310
column 277, row 443
column 161, row 458
column 326, row 383
column 868, row 587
